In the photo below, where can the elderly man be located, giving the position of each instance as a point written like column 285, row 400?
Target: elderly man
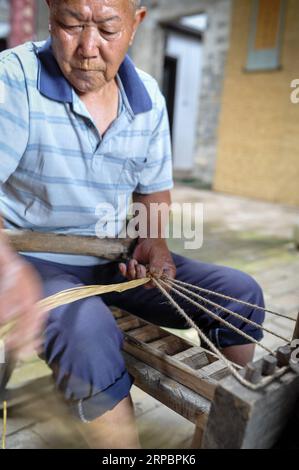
column 80, row 125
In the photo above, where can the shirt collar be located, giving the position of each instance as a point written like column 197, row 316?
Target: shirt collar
column 53, row 84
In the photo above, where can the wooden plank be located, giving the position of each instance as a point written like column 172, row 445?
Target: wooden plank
column 195, row 357
column 216, row 370
column 173, row 340
column 129, row 323
column 194, row 379
column 244, row 419
column 147, row 343
column 170, row 345
column 166, row 390
column 119, row 313
column 268, row 21
column 148, row 333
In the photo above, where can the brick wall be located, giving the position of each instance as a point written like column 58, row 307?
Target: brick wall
column 259, row 139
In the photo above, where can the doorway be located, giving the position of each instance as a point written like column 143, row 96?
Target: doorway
column 181, row 87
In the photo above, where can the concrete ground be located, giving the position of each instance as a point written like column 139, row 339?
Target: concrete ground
column 253, row 236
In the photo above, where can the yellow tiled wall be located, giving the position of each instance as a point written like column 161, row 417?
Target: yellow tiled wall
column 258, row 149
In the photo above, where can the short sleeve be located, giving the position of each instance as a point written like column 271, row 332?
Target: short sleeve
column 157, row 175
column 14, row 114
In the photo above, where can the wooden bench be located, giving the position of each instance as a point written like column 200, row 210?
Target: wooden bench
column 194, row 383
column 188, row 379
column 168, row 367
column 162, row 364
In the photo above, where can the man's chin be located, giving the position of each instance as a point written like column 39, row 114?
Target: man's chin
column 86, row 84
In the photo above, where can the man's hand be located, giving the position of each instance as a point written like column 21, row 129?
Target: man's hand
column 151, row 254
column 19, row 292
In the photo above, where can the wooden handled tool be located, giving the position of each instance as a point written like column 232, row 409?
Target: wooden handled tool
column 113, row 249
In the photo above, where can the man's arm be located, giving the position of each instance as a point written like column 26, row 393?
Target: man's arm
column 155, row 181
column 151, row 252
column 19, row 292
column 19, row 284
column 150, row 200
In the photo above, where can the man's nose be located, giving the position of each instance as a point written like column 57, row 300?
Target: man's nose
column 89, row 43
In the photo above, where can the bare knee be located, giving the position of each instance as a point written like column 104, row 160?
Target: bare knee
column 241, row 354
column 115, row 429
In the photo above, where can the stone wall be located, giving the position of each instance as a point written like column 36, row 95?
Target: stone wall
column 4, row 10
column 41, row 19
column 148, row 54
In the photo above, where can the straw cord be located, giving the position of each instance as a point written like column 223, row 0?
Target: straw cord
column 219, row 319
column 227, row 297
column 229, row 364
column 4, row 425
column 230, row 312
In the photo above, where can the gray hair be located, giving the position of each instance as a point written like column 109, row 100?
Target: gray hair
column 136, row 3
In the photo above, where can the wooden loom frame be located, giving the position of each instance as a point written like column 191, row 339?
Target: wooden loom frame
column 188, row 379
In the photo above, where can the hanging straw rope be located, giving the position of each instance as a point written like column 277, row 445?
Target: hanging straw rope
column 4, row 425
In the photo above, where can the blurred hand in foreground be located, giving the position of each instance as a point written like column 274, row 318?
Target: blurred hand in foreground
column 20, row 290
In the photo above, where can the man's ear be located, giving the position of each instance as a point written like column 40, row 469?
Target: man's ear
column 140, row 14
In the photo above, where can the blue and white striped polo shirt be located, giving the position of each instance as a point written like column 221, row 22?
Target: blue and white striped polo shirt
column 56, row 171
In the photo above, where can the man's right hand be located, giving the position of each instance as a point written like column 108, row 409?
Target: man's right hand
column 20, row 290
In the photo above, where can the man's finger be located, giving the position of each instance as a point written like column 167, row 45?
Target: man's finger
column 132, row 268
column 169, row 272
column 140, row 271
column 156, row 271
column 123, row 269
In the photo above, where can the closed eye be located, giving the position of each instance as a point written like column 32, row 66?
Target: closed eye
column 109, row 33
column 76, row 27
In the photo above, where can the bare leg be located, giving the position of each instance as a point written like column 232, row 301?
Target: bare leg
column 116, row 429
column 240, row 354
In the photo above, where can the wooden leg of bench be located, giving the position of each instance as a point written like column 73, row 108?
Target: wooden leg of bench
column 198, row 433
column 197, row 438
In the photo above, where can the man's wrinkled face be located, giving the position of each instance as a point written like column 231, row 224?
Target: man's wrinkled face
column 90, row 39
